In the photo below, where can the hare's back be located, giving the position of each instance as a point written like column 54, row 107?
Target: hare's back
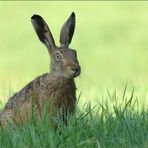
column 27, row 93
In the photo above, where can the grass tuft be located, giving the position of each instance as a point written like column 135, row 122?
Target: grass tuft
column 110, row 124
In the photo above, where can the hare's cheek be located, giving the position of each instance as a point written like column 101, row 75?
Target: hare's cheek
column 67, row 72
column 64, row 62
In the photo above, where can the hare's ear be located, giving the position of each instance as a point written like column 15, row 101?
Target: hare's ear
column 67, row 31
column 43, row 32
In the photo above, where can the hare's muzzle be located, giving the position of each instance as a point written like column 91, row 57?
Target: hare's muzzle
column 76, row 71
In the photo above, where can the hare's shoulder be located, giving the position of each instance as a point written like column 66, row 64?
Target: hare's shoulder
column 26, row 92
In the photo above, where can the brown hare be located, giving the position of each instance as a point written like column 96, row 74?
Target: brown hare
column 57, row 87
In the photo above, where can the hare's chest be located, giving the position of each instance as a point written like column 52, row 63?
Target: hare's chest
column 62, row 94
column 67, row 99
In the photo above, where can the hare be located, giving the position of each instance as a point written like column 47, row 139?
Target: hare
column 57, row 87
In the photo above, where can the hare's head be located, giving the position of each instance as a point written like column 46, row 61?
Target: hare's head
column 63, row 59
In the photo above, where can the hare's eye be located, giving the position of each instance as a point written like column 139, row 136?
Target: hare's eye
column 58, row 56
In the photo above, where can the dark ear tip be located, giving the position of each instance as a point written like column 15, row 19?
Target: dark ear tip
column 35, row 17
column 72, row 14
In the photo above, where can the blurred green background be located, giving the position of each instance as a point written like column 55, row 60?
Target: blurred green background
column 111, row 39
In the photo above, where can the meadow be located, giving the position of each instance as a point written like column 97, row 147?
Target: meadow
column 111, row 39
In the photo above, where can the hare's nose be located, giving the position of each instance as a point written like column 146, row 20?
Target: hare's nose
column 76, row 70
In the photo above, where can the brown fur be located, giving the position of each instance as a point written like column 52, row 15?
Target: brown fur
column 56, row 88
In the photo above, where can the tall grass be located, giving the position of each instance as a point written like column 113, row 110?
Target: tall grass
column 108, row 124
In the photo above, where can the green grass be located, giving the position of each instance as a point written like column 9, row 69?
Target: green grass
column 111, row 40
column 110, row 124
